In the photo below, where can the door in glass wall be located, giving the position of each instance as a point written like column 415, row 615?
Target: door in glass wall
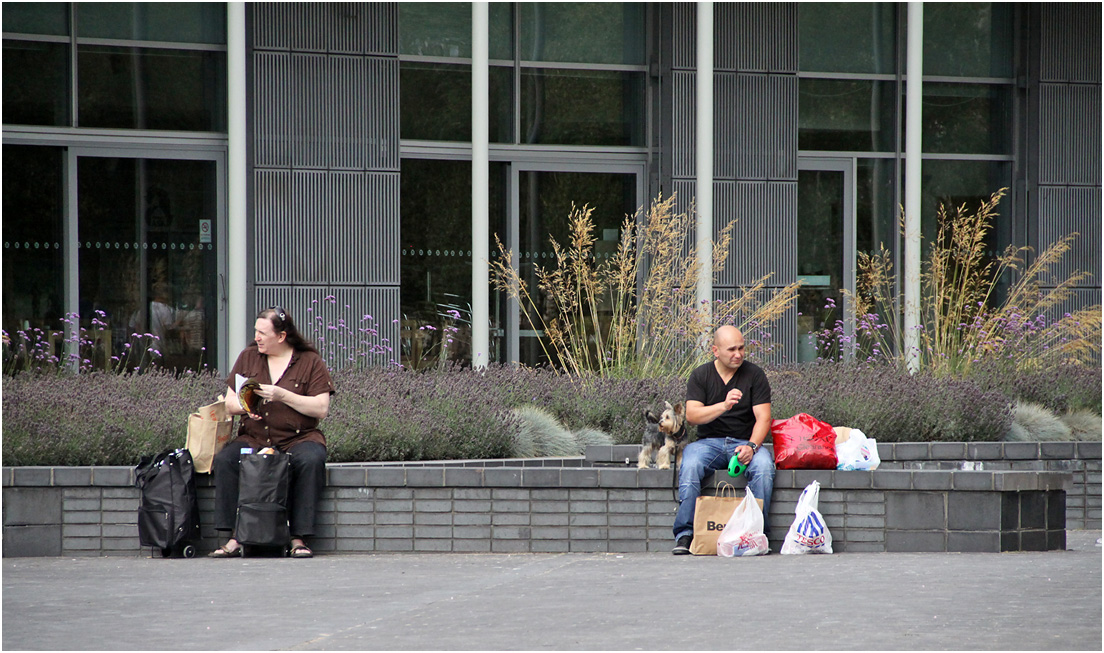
column 825, row 255
column 147, row 252
column 542, row 202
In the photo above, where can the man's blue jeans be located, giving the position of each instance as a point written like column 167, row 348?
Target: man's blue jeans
column 704, row 456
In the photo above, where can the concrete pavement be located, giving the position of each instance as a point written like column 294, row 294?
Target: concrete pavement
column 857, row 601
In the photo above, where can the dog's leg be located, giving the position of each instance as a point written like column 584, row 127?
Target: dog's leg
column 644, row 460
column 663, row 460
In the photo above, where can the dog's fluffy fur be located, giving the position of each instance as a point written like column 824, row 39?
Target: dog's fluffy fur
column 665, row 434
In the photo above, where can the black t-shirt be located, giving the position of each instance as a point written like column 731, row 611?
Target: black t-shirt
column 706, row 386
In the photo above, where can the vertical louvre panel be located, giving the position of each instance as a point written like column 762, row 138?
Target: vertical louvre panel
column 314, row 315
column 1069, row 134
column 684, row 16
column 755, row 37
column 338, row 27
column 1063, row 211
column 762, row 242
column 1070, row 47
column 683, row 124
column 272, row 115
column 755, row 125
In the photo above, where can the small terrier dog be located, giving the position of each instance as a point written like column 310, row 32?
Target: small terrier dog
column 666, row 433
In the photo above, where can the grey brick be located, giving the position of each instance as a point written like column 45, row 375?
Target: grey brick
column 972, row 480
column 620, row 478
column 628, row 507
column 394, row 493
column 471, row 532
column 974, row 511
column 587, row 506
column 358, row 517
column 915, row 511
column 628, row 546
column 394, row 518
column 589, row 533
column 471, row 519
column 851, row 479
column 503, row 477
column 425, row 477
column 433, row 493
column 541, row 477
column 112, row 476
column 510, row 518
column 1021, row 450
column 433, row 505
column 471, row 546
column 1057, row 449
column 477, row 494
column 984, row 450
column 856, row 534
column 861, row 547
column 915, row 542
column 550, row 533
column 647, row 478
column 542, row 494
column 510, row 546
column 474, row 505
column 589, row 546
column 120, row 504
column 861, row 496
column 355, row 531
column 78, row 476
column 588, row 495
column 352, row 505
column 511, row 532
column 438, row 546
column 394, row 545
column 441, row 532
column 803, row 477
column 1015, row 481
column 507, row 506
column 456, row 477
column 80, row 530
column 394, row 505
column 120, row 530
column 510, row 495
column 80, row 517
column 866, row 509
column 910, row 451
column 549, row 519
column 574, row 478
column 346, row 476
column 394, row 532
column 34, row 506
column 385, row 477
column 893, row 480
column 32, row 476
column 432, row 518
column 638, row 519
column 80, row 544
column 594, row 519
column 932, row 480
column 1089, row 450
column 948, row 450
column 627, row 533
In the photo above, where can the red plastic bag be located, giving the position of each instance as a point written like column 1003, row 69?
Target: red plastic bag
column 803, row 442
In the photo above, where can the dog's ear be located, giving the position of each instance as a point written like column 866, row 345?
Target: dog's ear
column 668, row 405
column 650, row 416
column 678, row 408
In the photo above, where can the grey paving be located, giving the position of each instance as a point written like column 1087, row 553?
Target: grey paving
column 857, row 601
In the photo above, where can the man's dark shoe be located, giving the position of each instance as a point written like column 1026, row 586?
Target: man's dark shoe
column 682, row 546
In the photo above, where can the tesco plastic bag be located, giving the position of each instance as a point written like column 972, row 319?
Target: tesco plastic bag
column 808, row 533
column 857, row 452
column 743, row 533
column 803, row 442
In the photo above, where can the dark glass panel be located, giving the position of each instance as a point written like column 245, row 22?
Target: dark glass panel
column 582, row 32
column 845, row 37
column 146, row 88
column 179, row 22
column 968, row 39
column 146, row 261
column 444, row 29
column 875, row 206
column 846, row 115
column 967, row 118
column 820, row 203
column 435, row 102
column 36, row 83
column 545, row 200
column 50, row 18
column 33, row 255
column 582, row 107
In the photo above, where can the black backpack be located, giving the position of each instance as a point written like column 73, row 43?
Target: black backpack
column 168, row 517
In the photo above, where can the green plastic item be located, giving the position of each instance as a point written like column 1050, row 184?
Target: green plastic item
column 735, row 467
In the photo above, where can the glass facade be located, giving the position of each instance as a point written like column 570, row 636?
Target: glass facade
column 142, row 271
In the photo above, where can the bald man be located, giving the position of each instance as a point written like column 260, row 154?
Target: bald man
column 730, row 401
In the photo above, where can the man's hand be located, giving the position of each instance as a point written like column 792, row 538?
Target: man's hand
column 744, row 454
column 732, row 398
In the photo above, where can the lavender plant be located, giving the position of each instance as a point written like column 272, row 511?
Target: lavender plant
column 77, row 348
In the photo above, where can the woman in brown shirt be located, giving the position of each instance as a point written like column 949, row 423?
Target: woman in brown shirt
column 295, row 386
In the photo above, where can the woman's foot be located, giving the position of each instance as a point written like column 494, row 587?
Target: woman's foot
column 299, row 549
column 232, row 549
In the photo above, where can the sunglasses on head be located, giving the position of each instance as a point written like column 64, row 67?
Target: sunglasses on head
column 279, row 313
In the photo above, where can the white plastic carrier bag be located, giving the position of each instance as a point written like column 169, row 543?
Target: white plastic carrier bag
column 808, row 533
column 743, row 534
column 857, row 452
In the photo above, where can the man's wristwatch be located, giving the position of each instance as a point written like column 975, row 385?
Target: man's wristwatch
column 754, row 447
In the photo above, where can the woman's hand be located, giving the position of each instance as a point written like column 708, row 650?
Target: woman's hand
column 272, row 393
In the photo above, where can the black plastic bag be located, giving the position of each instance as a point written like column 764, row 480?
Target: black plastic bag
column 262, row 499
column 168, row 515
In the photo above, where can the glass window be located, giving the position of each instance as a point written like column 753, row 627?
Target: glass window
column 444, row 29
column 435, row 102
column 144, row 88
column 179, row 22
column 847, row 37
column 582, row 32
column 146, row 262
column 36, row 18
column 33, row 255
column 846, row 115
column 967, row 118
column 582, row 107
column 36, row 82
column 968, row 39
column 875, row 205
column 953, row 183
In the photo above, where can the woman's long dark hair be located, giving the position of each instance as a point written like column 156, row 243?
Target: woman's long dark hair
column 281, row 321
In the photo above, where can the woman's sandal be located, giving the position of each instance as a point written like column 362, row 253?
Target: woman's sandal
column 301, row 551
column 223, row 552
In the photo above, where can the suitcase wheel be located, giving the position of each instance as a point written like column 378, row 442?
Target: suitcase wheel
column 189, row 551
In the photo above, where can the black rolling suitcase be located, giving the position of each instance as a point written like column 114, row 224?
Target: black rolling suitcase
column 262, row 519
column 168, row 516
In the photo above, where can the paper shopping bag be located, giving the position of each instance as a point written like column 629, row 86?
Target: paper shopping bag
column 209, row 429
column 710, row 516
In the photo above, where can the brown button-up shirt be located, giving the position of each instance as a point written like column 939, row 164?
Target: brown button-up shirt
column 282, row 426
